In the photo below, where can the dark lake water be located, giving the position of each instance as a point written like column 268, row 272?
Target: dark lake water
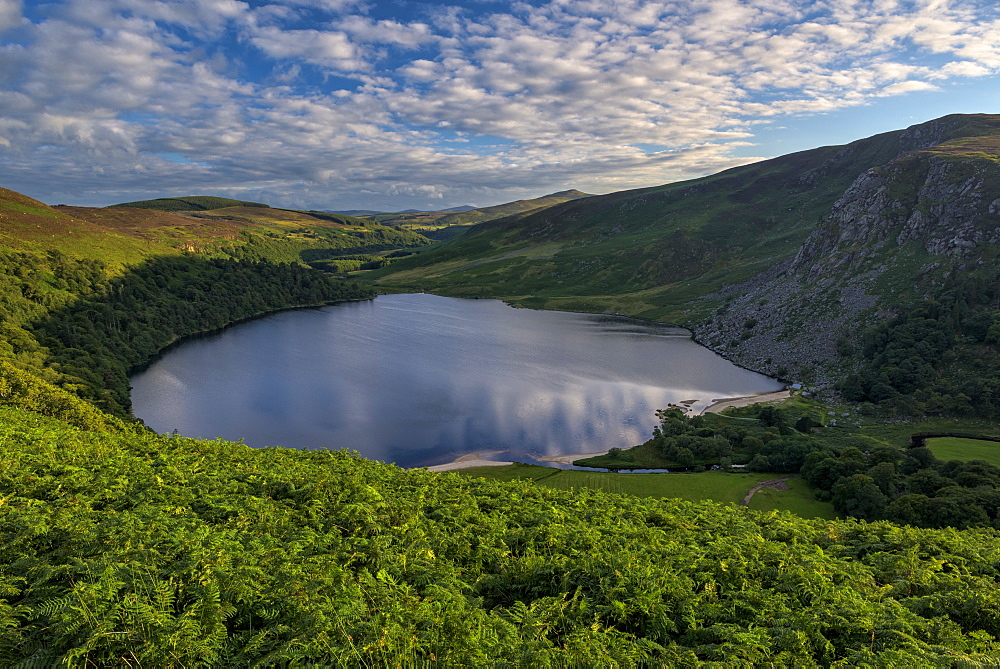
column 419, row 380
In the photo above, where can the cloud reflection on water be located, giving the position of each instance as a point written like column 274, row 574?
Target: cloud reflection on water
column 420, row 379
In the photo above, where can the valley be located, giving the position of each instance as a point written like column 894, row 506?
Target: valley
column 865, row 274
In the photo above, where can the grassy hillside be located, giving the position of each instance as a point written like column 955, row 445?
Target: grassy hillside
column 31, row 226
column 718, row 486
column 312, row 237
column 958, row 448
column 663, row 253
column 151, row 550
column 121, row 236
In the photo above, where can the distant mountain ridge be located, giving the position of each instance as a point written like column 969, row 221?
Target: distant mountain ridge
column 561, row 196
column 375, row 212
column 353, row 212
column 473, row 216
column 444, row 224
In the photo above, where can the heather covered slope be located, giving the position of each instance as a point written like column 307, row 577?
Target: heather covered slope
column 189, row 203
column 122, row 236
column 29, row 225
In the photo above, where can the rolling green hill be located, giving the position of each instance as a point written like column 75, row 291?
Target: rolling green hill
column 239, row 230
column 31, row 226
column 120, row 236
column 189, row 203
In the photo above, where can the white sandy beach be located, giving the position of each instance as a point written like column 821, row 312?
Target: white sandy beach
column 722, row 403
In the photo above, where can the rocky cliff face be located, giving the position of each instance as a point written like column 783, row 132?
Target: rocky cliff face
column 896, row 232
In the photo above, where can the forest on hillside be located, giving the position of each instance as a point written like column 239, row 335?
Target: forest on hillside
column 71, row 323
column 935, row 356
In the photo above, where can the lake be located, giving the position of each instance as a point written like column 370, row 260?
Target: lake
column 419, row 380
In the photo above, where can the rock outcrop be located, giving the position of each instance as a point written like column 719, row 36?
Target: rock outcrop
column 896, row 230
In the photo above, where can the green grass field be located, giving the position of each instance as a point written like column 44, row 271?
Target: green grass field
column 957, row 448
column 898, row 434
column 717, row 486
column 798, row 499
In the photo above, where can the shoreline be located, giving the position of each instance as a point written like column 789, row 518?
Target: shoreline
column 720, row 404
column 180, row 340
column 479, row 458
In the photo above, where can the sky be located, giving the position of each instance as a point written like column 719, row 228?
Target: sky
column 399, row 104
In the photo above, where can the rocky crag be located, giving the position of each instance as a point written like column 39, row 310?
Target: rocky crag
column 894, row 236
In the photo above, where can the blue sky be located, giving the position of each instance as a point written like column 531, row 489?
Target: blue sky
column 343, row 104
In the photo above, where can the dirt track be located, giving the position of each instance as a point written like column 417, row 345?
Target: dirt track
column 776, row 484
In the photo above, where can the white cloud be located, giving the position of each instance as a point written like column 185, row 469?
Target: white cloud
column 908, row 87
column 961, row 68
column 202, row 14
column 329, row 49
column 10, row 14
column 550, row 96
column 334, row 6
column 364, row 29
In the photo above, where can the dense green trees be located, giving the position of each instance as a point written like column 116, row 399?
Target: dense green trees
column 321, row 244
column 687, row 442
column 936, row 355
column 863, row 477
column 350, row 263
column 908, row 486
column 767, row 442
